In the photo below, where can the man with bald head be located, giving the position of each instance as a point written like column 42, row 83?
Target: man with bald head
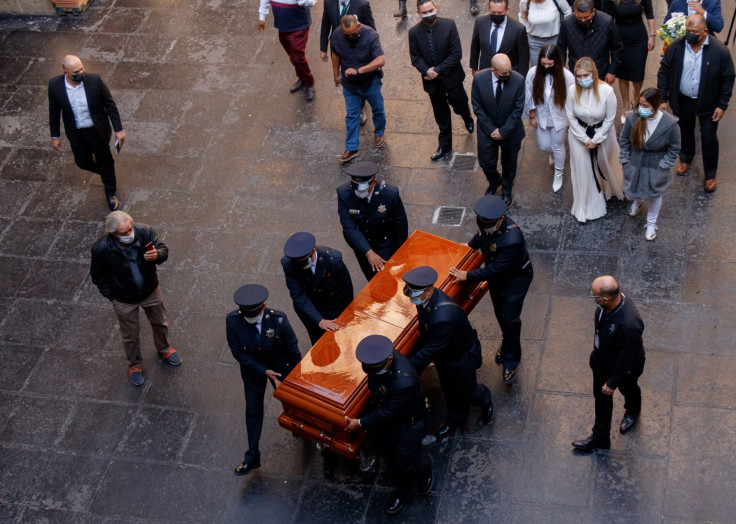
column 696, row 78
column 617, row 361
column 87, row 108
column 498, row 102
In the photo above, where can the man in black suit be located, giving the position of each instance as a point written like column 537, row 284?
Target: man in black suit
column 436, row 52
column 702, row 92
column 498, row 101
column 318, row 282
column 499, row 33
column 264, row 344
column 372, row 217
column 594, row 34
column 87, row 108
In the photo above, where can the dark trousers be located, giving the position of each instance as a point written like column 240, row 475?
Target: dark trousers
column 91, row 153
column 295, row 43
column 461, row 391
column 629, row 388
column 442, row 98
column 488, row 160
column 507, row 308
column 404, row 457
column 708, row 136
column 255, row 392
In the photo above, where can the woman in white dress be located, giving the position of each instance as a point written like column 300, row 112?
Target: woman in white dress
column 546, row 93
column 594, row 166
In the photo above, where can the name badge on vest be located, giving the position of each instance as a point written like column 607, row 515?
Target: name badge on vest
column 355, row 211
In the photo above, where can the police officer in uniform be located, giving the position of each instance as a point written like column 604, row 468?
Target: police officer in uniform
column 372, row 216
column 447, row 338
column 508, row 271
column 318, row 282
column 264, row 343
column 396, row 414
column 617, row 361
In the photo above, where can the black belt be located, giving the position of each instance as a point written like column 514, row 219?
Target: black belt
column 590, row 133
column 682, row 95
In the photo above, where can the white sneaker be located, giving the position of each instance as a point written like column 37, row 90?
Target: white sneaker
column 557, row 182
column 634, row 209
column 651, row 233
column 551, row 160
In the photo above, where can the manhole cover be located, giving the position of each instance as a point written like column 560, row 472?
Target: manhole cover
column 448, row 216
column 463, row 162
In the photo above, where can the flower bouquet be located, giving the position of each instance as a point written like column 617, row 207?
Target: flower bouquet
column 672, row 29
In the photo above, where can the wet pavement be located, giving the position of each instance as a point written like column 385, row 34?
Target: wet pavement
column 225, row 164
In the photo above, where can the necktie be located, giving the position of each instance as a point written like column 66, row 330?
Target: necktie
column 343, row 9
column 432, row 45
column 498, row 91
column 494, row 38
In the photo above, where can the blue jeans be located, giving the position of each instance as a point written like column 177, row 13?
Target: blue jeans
column 353, row 101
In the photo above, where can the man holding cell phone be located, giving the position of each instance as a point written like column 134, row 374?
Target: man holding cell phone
column 123, row 268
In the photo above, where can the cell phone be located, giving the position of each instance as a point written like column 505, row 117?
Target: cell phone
column 149, row 247
column 117, row 147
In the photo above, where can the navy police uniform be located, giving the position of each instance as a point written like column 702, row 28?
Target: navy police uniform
column 322, row 294
column 396, row 414
column 508, row 271
column 617, row 360
column 447, row 338
column 377, row 221
column 266, row 345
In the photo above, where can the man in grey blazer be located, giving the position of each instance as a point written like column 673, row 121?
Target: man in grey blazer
column 495, row 33
column 498, row 102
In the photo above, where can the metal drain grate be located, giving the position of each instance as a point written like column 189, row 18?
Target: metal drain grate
column 448, row 216
column 463, row 162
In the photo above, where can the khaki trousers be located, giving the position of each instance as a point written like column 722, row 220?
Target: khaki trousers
column 128, row 319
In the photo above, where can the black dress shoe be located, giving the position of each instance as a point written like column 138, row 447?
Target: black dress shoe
column 486, row 412
column 474, row 8
column 628, row 422
column 426, row 482
column 395, row 504
column 446, row 430
column 499, row 356
column 508, row 375
column 298, row 85
column 470, row 126
column 440, row 152
column 591, row 444
column 491, row 189
column 113, row 203
column 246, row 468
column 509, row 199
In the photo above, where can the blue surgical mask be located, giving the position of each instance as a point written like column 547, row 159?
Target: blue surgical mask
column 585, row 82
column 645, row 112
column 417, row 301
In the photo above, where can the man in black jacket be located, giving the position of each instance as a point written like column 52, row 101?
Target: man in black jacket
column 372, row 217
column 703, row 92
column 617, row 361
column 318, row 282
column 396, row 414
column 87, row 108
column 447, row 338
column 499, row 33
column 508, row 272
column 264, row 344
column 436, row 52
column 123, row 268
column 591, row 33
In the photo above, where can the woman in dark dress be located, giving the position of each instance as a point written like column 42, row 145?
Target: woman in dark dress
column 627, row 14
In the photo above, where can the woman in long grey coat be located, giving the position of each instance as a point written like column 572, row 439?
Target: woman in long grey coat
column 650, row 141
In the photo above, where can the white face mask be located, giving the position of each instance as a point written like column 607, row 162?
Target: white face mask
column 128, row 239
column 310, row 262
column 382, row 372
column 363, row 189
column 254, row 320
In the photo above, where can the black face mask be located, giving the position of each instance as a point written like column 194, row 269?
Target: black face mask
column 498, row 19
column 586, row 24
column 353, row 39
column 548, row 70
column 692, row 38
column 503, row 78
column 429, row 20
column 78, row 77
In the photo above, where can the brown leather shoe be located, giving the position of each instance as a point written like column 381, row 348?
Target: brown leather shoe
column 682, row 167
column 347, row 156
column 710, row 185
column 380, row 140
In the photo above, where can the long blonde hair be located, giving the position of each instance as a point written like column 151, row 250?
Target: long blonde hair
column 586, row 64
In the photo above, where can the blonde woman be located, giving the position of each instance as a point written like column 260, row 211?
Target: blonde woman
column 595, row 170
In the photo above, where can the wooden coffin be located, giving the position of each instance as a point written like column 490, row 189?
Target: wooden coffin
column 329, row 383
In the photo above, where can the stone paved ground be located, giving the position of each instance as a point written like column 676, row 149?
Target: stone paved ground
column 226, row 165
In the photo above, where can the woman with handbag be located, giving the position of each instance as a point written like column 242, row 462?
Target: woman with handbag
column 595, row 170
column 542, row 19
column 650, row 142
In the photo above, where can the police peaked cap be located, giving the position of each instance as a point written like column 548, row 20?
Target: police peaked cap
column 250, row 296
column 490, row 207
column 374, row 349
column 364, row 169
column 421, row 277
column 299, row 245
